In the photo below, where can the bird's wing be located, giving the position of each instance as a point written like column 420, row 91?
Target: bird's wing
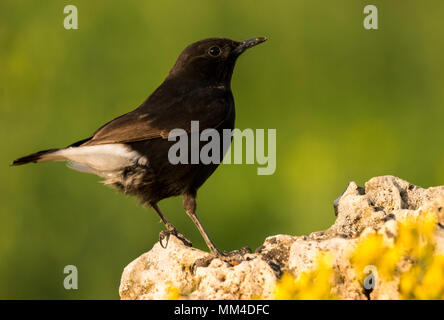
column 159, row 115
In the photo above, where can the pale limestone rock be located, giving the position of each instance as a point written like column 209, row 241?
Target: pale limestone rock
column 375, row 208
column 150, row 275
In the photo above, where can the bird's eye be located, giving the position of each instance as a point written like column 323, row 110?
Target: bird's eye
column 214, row 51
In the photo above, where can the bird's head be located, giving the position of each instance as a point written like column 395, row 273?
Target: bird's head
column 211, row 60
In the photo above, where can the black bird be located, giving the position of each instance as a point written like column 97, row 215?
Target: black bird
column 131, row 151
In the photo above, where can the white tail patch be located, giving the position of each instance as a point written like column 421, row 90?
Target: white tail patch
column 96, row 159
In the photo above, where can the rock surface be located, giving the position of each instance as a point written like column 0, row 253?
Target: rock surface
column 360, row 210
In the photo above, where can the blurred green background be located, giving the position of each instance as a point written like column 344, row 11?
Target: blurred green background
column 347, row 103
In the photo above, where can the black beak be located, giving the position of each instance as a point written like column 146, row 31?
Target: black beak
column 244, row 45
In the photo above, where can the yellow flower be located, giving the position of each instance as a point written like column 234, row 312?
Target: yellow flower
column 314, row 284
column 285, row 288
column 372, row 251
column 415, row 242
column 411, row 257
column 424, row 281
column 173, row 293
column 415, row 235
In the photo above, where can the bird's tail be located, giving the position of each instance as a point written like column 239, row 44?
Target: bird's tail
column 41, row 156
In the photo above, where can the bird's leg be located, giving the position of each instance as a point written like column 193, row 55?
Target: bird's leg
column 233, row 258
column 189, row 204
column 170, row 230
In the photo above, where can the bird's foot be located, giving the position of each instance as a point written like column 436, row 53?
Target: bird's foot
column 233, row 258
column 164, row 236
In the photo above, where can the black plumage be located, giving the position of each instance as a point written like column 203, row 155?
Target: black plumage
column 131, row 151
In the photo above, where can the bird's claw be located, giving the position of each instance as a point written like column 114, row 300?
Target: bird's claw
column 233, row 258
column 164, row 237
